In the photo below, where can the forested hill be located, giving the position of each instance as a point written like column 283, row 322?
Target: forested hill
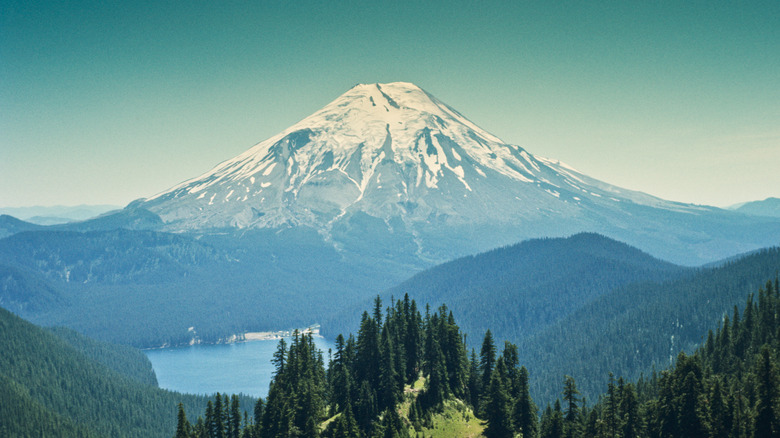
column 635, row 327
column 730, row 387
column 50, row 387
column 519, row 290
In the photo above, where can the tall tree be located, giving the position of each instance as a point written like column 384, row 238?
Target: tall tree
column 487, row 359
column 525, row 411
column 766, row 419
column 182, row 426
column 497, row 405
column 571, row 401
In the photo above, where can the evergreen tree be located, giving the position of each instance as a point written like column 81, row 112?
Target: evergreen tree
column 552, row 422
column 341, row 388
column 525, row 411
column 475, row 381
column 235, row 417
column 497, row 405
column 388, row 391
column 571, row 419
column 210, row 428
column 720, row 414
column 766, row 418
column 182, row 426
column 629, row 410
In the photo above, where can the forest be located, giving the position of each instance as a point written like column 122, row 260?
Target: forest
column 405, row 367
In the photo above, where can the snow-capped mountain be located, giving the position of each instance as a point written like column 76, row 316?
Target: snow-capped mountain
column 391, row 160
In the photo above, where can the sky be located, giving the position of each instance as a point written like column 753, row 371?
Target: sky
column 104, row 102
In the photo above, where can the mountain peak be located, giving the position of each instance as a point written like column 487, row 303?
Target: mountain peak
column 388, row 153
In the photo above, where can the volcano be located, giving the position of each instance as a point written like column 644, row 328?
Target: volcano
column 392, row 169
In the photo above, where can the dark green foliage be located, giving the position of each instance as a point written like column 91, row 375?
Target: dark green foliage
column 49, row 382
column 497, row 413
column 182, row 425
column 524, row 412
column 572, row 417
column 125, row 360
column 22, row 416
column 634, row 328
column 728, row 388
column 552, row 422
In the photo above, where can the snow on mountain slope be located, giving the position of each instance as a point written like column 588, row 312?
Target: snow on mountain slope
column 384, row 149
column 392, row 159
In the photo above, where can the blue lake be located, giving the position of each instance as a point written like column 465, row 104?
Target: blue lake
column 243, row 367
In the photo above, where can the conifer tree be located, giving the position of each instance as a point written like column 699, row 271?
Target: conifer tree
column 487, row 360
column 552, row 422
column 766, row 418
column 342, row 383
column 629, row 409
column 524, row 411
column 497, row 405
column 235, row 417
column 475, row 380
column 571, row 419
column 209, row 423
column 182, row 426
column 388, row 391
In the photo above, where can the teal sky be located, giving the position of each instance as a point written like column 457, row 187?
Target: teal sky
column 109, row 101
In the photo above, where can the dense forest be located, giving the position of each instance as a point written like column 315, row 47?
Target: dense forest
column 57, row 383
column 403, row 368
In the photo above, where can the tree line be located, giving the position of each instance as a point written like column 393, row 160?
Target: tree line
column 728, row 387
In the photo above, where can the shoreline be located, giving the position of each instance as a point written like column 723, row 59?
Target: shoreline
column 245, row 337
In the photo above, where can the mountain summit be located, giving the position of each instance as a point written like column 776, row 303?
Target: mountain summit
column 391, row 163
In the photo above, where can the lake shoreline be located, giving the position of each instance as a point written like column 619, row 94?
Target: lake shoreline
column 314, row 330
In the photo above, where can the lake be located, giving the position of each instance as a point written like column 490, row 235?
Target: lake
column 243, row 367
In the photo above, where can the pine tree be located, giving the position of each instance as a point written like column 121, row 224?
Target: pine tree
column 487, row 361
column 571, row 419
column 497, row 405
column 235, row 417
column 629, row 409
column 552, row 422
column 766, row 422
column 341, row 388
column 182, row 426
column 210, row 428
column 720, row 415
column 524, row 411
column 475, row 380
column 388, row 391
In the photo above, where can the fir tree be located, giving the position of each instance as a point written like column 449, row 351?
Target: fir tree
column 766, row 418
column 571, row 419
column 497, row 405
column 525, row 411
column 182, row 426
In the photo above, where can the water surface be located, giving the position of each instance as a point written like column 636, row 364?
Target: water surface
column 243, row 367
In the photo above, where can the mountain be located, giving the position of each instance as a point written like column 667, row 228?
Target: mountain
column 519, row 290
column 10, row 225
column 57, row 214
column 390, row 168
column 769, row 207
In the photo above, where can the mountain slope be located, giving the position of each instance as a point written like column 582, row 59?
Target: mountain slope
column 769, row 207
column 634, row 327
column 42, row 372
column 519, row 290
column 392, row 165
